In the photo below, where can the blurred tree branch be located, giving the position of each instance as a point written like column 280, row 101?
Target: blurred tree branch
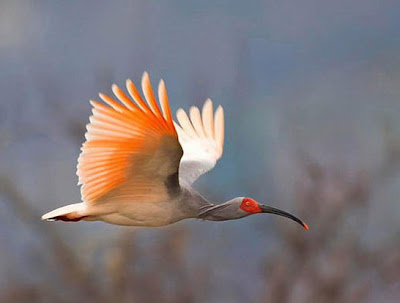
column 329, row 264
column 70, row 268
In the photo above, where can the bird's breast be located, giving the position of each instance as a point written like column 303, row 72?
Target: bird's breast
column 144, row 214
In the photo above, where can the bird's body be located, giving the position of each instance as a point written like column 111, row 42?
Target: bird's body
column 137, row 165
column 181, row 206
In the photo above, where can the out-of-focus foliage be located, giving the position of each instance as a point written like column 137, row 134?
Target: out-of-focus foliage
column 311, row 97
column 331, row 264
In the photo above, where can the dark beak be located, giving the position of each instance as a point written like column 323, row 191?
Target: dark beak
column 275, row 211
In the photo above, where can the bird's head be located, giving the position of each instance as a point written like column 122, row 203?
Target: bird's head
column 242, row 207
column 250, row 206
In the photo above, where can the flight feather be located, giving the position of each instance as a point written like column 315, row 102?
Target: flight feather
column 202, row 139
column 129, row 144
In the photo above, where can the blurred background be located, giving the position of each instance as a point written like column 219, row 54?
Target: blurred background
column 311, row 91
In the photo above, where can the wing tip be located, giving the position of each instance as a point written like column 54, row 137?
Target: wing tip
column 193, row 108
column 180, row 111
column 145, row 77
column 208, row 102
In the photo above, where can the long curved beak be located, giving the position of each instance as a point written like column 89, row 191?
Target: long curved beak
column 275, row 211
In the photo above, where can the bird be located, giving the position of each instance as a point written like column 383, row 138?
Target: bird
column 137, row 165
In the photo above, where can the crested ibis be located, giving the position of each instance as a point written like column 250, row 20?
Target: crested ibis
column 137, row 165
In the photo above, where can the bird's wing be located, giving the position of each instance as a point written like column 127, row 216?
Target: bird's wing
column 202, row 140
column 131, row 149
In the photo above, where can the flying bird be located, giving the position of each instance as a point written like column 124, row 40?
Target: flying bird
column 138, row 165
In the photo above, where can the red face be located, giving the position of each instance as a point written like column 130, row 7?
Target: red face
column 249, row 205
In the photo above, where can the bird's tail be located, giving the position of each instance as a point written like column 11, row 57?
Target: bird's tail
column 70, row 213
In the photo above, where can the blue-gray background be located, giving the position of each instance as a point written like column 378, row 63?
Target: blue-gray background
column 320, row 78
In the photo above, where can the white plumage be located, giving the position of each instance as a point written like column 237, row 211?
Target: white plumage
column 201, row 138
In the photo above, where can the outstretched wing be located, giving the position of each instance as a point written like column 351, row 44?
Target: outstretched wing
column 202, row 140
column 132, row 149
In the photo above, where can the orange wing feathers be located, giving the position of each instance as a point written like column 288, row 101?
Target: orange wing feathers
column 121, row 135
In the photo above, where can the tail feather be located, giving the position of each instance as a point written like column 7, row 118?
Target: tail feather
column 69, row 213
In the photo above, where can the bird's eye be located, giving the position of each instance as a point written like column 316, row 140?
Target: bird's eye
column 247, row 203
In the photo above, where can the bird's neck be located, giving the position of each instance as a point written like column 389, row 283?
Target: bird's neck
column 212, row 212
column 196, row 206
column 192, row 203
column 221, row 212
